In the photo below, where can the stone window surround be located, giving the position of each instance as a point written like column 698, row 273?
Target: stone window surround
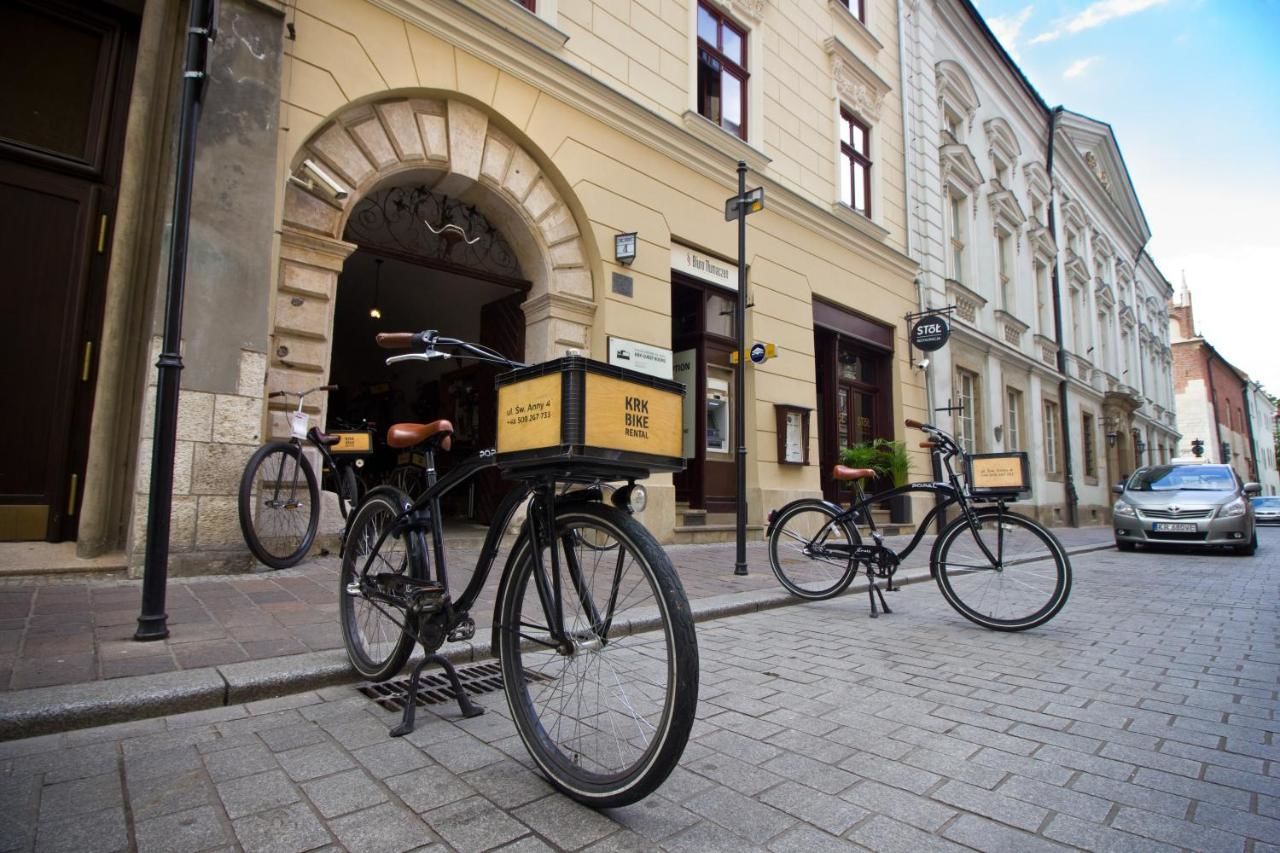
column 955, row 91
column 860, row 92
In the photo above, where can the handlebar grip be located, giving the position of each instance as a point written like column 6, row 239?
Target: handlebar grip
column 329, row 388
column 914, row 424
column 275, row 394
column 928, row 445
column 394, row 340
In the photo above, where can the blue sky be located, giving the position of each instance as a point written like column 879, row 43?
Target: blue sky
column 1192, row 90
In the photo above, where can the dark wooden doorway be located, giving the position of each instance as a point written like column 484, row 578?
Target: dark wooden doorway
column 66, row 68
column 854, row 402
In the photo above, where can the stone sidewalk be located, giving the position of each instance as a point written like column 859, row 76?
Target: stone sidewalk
column 77, row 630
column 1142, row 718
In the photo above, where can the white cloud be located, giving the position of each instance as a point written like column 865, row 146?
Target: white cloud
column 1095, row 15
column 1007, row 29
column 1080, row 66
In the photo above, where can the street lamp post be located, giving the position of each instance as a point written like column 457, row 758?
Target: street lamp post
column 153, row 621
column 739, row 207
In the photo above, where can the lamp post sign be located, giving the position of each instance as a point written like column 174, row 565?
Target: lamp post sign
column 930, row 333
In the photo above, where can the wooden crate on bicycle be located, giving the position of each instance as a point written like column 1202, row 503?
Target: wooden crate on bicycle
column 581, row 418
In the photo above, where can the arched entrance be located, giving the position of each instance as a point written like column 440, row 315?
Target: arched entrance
column 465, row 169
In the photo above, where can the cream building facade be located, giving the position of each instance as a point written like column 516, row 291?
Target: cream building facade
column 335, row 129
column 1026, row 224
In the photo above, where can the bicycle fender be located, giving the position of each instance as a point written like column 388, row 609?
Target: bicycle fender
column 831, row 505
column 507, row 571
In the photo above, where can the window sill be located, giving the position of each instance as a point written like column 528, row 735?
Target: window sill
column 525, row 24
column 719, row 138
column 856, row 220
column 849, row 22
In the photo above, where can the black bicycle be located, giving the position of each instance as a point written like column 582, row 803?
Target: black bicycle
column 591, row 626
column 279, row 503
column 997, row 568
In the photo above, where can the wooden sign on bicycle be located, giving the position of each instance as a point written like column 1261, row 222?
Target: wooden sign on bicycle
column 583, row 416
column 996, row 474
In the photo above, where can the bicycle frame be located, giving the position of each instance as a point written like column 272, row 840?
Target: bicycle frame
column 953, row 493
column 424, row 513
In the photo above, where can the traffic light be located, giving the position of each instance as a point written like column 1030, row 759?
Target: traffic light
column 1197, row 447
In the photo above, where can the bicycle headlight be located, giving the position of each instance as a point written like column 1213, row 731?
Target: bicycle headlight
column 1122, row 508
column 1233, row 509
column 632, row 498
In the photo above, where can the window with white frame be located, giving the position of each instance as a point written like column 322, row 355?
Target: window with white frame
column 722, row 70
column 1013, row 419
column 1004, row 260
column 1051, row 433
column 967, row 419
column 957, row 227
column 1044, row 298
column 1088, row 440
column 855, row 163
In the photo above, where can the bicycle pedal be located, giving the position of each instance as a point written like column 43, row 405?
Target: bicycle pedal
column 464, row 630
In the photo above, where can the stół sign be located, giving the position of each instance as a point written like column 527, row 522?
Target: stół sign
column 930, row 333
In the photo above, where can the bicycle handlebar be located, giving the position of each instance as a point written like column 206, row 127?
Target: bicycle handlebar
column 431, row 344
column 938, row 440
column 301, row 394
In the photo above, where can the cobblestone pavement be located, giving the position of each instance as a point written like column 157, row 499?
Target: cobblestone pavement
column 1142, row 718
column 73, row 631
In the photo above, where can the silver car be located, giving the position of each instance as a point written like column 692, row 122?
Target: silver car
column 1267, row 510
column 1194, row 505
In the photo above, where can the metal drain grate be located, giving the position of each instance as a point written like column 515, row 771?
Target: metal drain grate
column 434, row 688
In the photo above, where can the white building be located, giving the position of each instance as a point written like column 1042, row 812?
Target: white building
column 1025, row 221
column 1262, row 420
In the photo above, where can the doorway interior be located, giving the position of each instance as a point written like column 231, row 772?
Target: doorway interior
column 412, row 274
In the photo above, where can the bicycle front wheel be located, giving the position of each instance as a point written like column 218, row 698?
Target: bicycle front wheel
column 811, row 549
column 1026, row 586
column 606, row 715
column 369, row 610
column 279, row 504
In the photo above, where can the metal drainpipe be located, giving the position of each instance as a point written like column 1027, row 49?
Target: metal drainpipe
column 1073, row 511
column 910, row 141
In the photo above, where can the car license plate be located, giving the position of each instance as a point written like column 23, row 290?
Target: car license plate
column 1169, row 527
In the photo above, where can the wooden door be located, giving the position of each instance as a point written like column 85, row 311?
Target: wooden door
column 66, row 69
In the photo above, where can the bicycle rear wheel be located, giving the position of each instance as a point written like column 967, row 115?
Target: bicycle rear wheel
column 369, row 616
column 608, row 720
column 280, row 525
column 810, row 550
column 1026, row 587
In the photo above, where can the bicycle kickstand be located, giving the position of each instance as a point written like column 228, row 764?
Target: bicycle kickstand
column 465, row 705
column 872, row 592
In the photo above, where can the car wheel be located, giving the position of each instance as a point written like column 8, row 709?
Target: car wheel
column 1125, row 546
column 1250, row 549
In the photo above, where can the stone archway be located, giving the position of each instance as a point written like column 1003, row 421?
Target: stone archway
column 470, row 157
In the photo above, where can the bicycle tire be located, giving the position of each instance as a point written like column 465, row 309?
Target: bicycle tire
column 648, row 685
column 376, row 645
column 977, row 590
column 348, row 491
column 273, row 527
column 809, row 550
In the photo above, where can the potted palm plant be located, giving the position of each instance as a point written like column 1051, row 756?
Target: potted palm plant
column 889, row 460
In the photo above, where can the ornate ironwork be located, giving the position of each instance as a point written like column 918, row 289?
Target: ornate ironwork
column 414, row 220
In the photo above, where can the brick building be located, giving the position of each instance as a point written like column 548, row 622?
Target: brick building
column 1215, row 402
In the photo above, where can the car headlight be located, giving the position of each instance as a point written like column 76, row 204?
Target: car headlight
column 1122, row 508
column 1231, row 510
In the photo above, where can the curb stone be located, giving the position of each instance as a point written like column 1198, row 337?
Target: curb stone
column 48, row 710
